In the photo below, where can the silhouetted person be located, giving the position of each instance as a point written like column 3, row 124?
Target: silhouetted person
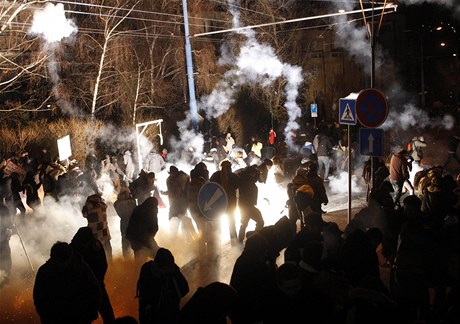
column 142, row 228
column 31, row 189
column 452, row 145
column 254, row 269
column 317, row 184
column 209, row 305
column 92, row 252
column 230, row 182
column 203, row 225
column 291, row 300
column 160, row 287
column 66, row 290
column 124, row 206
column 177, row 184
column 248, row 193
column 17, row 188
column 144, row 187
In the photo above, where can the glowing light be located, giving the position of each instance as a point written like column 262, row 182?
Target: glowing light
column 443, row 44
column 439, row 28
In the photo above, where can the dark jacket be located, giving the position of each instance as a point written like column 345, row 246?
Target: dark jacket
column 230, row 187
column 160, row 289
column 143, row 224
column 141, row 189
column 319, row 196
column 324, row 145
column 69, row 294
column 124, row 206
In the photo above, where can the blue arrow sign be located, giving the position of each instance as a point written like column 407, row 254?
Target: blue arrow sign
column 371, row 141
column 347, row 111
column 212, row 200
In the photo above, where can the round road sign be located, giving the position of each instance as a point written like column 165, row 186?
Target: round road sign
column 371, row 108
column 212, row 200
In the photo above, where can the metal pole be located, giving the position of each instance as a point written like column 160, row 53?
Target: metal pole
column 372, row 82
column 349, row 174
column 191, row 82
column 422, row 72
column 22, row 243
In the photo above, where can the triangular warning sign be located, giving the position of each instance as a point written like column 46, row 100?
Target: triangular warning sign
column 347, row 114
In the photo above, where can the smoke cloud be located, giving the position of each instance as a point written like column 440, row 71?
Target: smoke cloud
column 410, row 116
column 255, row 64
column 51, row 24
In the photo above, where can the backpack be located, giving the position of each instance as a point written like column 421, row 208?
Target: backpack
column 158, row 295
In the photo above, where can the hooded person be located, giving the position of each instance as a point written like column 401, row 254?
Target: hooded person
column 142, row 228
column 177, row 185
column 66, row 289
column 144, row 187
column 124, row 206
column 160, row 287
column 209, row 305
column 92, row 252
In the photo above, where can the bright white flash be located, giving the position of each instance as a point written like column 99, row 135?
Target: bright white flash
column 51, row 23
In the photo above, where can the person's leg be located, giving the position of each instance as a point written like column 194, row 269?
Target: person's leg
column 231, row 222
column 327, row 164
column 244, row 223
column 105, row 308
column 397, row 187
column 320, row 164
column 257, row 217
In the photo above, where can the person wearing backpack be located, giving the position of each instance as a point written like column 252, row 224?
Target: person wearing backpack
column 160, row 287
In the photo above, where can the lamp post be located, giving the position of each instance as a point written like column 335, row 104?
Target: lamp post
column 422, row 68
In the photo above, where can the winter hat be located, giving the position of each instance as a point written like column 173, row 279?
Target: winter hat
column 173, row 169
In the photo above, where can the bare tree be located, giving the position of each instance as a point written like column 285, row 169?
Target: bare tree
column 112, row 21
column 21, row 60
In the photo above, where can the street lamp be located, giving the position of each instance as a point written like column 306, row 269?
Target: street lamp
column 422, row 68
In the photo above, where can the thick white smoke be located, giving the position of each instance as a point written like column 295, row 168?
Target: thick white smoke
column 51, row 24
column 255, row 64
column 409, row 116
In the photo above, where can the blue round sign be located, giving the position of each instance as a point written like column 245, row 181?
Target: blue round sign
column 212, row 200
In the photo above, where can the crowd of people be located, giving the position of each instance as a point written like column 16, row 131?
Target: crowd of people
column 328, row 275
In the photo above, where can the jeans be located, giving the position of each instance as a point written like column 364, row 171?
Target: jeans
column 326, row 162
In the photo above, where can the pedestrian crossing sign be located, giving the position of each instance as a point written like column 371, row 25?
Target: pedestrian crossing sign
column 347, row 111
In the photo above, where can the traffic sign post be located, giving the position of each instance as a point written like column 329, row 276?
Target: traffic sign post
column 371, row 141
column 212, row 200
column 371, row 108
column 347, row 111
column 314, row 110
